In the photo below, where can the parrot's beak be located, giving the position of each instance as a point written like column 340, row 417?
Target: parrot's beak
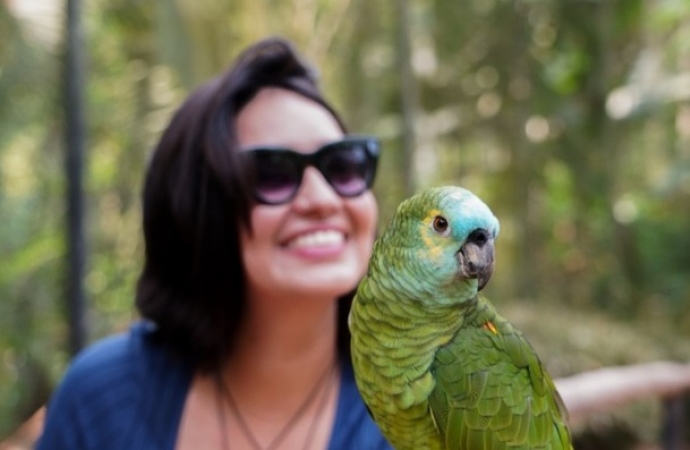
column 476, row 257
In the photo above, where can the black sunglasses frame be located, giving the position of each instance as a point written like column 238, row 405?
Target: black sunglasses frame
column 301, row 161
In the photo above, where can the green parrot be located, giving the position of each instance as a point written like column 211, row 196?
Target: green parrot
column 435, row 363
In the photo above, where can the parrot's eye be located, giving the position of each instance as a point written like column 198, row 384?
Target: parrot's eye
column 440, row 224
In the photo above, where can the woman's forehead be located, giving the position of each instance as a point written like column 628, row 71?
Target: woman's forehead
column 280, row 117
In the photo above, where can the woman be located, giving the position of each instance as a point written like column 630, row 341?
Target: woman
column 258, row 223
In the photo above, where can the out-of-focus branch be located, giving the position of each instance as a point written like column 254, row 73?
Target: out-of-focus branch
column 605, row 389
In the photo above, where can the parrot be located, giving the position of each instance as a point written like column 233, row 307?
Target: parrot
column 436, row 365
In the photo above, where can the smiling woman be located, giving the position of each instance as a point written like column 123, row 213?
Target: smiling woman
column 318, row 243
column 259, row 223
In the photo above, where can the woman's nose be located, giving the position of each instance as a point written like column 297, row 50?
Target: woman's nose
column 315, row 193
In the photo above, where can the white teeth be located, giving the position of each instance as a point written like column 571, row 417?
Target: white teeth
column 318, row 239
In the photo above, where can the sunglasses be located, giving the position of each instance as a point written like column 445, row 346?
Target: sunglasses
column 348, row 165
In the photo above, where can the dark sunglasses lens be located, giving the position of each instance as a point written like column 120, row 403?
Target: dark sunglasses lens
column 277, row 177
column 348, row 168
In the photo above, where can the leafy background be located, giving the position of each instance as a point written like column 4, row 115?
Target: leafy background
column 571, row 118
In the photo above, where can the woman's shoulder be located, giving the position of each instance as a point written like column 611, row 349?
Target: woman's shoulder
column 115, row 386
column 132, row 358
column 354, row 426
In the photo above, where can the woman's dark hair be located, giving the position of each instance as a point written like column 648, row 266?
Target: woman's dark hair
column 196, row 198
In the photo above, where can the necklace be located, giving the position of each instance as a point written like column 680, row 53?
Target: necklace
column 319, row 413
column 282, row 434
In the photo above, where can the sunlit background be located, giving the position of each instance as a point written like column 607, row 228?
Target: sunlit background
column 571, row 118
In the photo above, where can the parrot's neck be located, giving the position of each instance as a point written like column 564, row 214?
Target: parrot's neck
column 417, row 311
column 422, row 296
column 422, row 324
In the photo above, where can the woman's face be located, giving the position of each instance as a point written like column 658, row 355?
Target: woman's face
column 318, row 244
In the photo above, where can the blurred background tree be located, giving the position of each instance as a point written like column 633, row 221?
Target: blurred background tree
column 570, row 117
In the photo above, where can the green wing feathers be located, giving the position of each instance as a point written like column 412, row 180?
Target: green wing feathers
column 492, row 392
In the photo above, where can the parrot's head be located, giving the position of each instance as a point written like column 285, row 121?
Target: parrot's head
column 451, row 234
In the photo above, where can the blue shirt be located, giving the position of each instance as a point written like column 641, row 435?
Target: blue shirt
column 127, row 392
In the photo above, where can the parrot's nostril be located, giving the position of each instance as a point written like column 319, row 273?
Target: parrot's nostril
column 479, row 237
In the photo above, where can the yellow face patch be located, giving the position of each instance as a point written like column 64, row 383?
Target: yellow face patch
column 429, row 236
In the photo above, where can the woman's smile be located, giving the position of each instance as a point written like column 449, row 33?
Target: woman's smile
column 317, row 238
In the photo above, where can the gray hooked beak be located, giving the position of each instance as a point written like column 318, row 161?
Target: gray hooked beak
column 476, row 257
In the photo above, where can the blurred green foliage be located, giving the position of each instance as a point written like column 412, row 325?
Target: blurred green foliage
column 571, row 118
